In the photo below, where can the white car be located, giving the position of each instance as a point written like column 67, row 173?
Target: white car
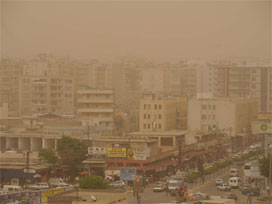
column 219, row 181
column 118, row 184
column 39, row 186
column 159, row 188
column 223, row 187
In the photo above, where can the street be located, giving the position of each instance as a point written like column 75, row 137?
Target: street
column 209, row 187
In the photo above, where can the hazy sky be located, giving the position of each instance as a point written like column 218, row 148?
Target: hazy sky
column 165, row 29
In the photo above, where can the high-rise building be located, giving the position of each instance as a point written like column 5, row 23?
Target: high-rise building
column 158, row 113
column 245, row 80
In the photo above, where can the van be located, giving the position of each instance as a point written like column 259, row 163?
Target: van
column 233, row 172
column 173, row 185
column 11, row 188
column 234, row 182
column 57, row 182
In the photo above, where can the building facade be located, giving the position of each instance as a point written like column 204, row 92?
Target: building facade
column 158, row 113
column 96, row 108
column 226, row 114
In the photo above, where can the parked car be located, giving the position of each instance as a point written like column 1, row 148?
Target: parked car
column 254, row 191
column 223, row 187
column 219, row 181
column 57, row 182
column 118, row 184
column 230, row 196
column 159, row 188
column 39, row 186
column 11, row 188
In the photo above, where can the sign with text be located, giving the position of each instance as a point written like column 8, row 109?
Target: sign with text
column 117, row 152
column 140, row 153
column 97, row 150
column 258, row 127
column 264, row 116
column 128, row 174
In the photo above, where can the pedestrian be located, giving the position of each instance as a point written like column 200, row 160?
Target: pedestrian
column 166, row 189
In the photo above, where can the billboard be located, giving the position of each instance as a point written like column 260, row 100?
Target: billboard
column 128, row 174
column 97, row 150
column 130, row 154
column 260, row 127
column 117, row 152
column 46, row 193
column 264, row 116
column 140, row 153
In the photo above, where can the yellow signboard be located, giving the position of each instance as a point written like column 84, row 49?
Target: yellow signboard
column 118, row 152
column 46, row 193
column 264, row 116
column 130, row 154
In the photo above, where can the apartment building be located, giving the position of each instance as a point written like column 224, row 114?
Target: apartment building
column 10, row 71
column 96, row 109
column 162, row 79
column 47, row 86
column 158, row 113
column 242, row 80
column 231, row 115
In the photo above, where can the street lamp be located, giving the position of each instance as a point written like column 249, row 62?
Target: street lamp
column 77, row 187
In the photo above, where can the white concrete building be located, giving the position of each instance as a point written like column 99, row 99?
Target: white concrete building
column 229, row 115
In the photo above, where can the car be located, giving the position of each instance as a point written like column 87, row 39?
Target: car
column 254, row 191
column 223, row 187
column 159, row 188
column 118, row 184
column 230, row 196
column 219, row 181
column 57, row 182
column 39, row 186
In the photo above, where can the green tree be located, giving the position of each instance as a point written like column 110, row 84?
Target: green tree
column 71, row 151
column 48, row 156
column 264, row 166
column 93, row 182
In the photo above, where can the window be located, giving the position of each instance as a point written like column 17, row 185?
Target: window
column 144, row 126
column 148, row 126
column 159, row 116
column 203, row 117
column 155, row 106
column 144, row 106
column 213, row 107
column 160, row 106
column 148, row 116
column 144, row 116
column 159, row 126
column 149, row 106
column 203, row 107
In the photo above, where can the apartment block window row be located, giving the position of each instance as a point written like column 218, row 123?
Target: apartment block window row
column 148, row 126
column 156, row 106
column 209, row 117
column 146, row 116
column 208, row 107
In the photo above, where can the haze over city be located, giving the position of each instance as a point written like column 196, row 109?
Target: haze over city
column 157, row 30
column 136, row 102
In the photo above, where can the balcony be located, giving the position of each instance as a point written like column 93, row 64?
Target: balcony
column 95, row 100
column 95, row 110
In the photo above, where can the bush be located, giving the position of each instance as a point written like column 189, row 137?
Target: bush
column 93, row 182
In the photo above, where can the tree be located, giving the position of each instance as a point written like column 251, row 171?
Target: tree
column 48, row 156
column 71, row 151
column 264, row 166
column 93, row 182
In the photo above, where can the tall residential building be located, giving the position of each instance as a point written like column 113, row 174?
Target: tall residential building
column 245, row 80
column 10, row 72
column 47, row 86
column 96, row 109
column 164, row 79
column 158, row 113
column 232, row 115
